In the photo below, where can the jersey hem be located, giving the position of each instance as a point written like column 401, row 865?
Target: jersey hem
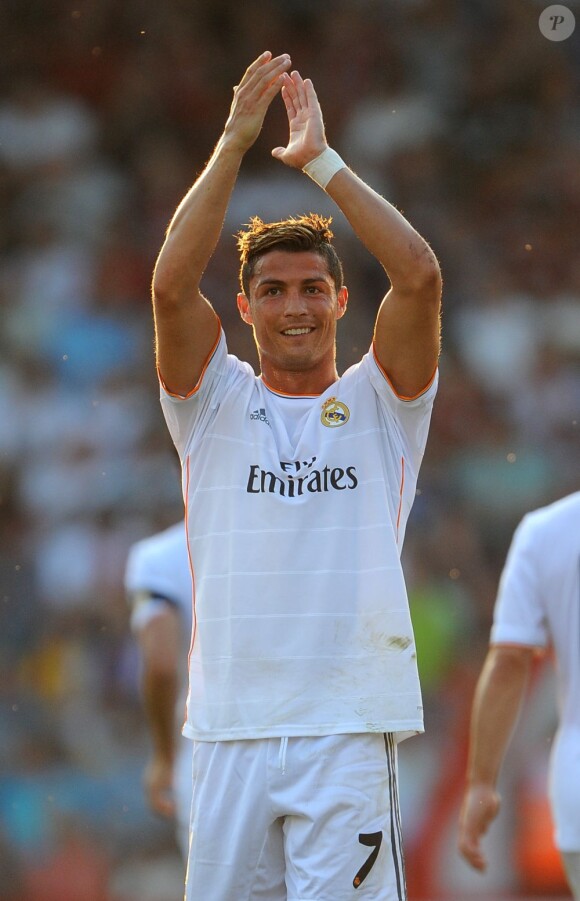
column 401, row 730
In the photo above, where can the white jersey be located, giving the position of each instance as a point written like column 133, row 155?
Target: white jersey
column 296, row 513
column 158, row 573
column 538, row 604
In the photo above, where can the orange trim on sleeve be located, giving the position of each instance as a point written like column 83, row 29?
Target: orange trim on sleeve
column 403, row 396
column 197, row 386
column 538, row 649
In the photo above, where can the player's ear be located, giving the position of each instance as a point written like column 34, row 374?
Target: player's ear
column 341, row 302
column 244, row 308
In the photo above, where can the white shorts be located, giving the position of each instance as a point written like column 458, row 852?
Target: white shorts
column 296, row 819
column 182, row 788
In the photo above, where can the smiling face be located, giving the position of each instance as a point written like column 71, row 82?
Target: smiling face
column 293, row 308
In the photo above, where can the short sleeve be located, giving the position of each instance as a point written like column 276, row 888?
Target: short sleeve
column 412, row 414
column 145, row 574
column 189, row 416
column 519, row 616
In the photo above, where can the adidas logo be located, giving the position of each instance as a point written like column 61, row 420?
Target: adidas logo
column 261, row 415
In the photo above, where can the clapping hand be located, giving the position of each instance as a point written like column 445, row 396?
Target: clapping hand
column 307, row 139
column 259, row 85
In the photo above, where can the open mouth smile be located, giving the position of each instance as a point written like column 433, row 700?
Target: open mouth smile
column 297, row 331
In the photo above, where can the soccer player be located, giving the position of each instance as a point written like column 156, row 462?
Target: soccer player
column 298, row 484
column 159, row 589
column 538, row 605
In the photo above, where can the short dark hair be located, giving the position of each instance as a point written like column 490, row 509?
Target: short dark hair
column 296, row 234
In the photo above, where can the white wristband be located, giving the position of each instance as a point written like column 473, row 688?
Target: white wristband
column 324, row 166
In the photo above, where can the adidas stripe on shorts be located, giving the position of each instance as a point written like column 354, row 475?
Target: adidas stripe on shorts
column 296, row 819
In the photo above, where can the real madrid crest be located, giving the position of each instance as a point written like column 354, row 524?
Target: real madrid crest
column 334, row 413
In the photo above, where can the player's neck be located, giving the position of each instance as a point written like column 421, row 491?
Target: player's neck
column 300, row 382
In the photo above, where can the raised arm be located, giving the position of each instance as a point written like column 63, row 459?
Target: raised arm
column 407, row 328
column 498, row 697
column 186, row 325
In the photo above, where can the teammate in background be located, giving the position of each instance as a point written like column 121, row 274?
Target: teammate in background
column 538, row 605
column 159, row 588
column 298, row 485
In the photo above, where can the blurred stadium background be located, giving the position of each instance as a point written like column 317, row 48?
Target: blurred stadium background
column 464, row 116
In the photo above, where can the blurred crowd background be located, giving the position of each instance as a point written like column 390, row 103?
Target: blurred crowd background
column 467, row 118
